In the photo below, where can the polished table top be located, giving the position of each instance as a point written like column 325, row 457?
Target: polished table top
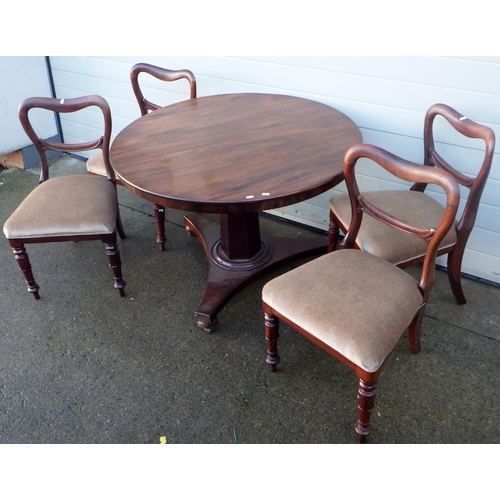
column 234, row 152
column 235, row 155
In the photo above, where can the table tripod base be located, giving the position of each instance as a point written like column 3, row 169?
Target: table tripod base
column 226, row 278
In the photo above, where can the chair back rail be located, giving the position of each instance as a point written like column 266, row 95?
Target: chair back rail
column 67, row 106
column 166, row 75
column 410, row 172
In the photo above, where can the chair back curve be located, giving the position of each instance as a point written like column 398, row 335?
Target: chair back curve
column 67, row 106
column 472, row 130
column 410, row 172
column 166, row 75
column 420, row 206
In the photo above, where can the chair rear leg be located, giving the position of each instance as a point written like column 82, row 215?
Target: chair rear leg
column 454, row 273
column 115, row 263
column 160, row 226
column 333, row 234
column 272, row 334
column 24, row 264
column 366, row 402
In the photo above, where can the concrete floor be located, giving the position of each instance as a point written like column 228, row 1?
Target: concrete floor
column 82, row 365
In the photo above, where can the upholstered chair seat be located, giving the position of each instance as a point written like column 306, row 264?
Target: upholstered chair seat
column 65, row 206
column 365, row 331
column 95, row 165
column 386, row 242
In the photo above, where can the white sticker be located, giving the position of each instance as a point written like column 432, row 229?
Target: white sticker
column 250, row 197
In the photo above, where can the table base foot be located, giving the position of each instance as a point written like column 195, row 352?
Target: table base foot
column 205, row 323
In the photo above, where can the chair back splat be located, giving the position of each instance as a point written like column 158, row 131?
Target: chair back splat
column 353, row 304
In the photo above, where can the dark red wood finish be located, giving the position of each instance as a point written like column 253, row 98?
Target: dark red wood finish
column 235, row 155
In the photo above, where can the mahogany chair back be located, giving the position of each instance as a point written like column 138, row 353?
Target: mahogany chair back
column 401, row 251
column 166, row 75
column 145, row 106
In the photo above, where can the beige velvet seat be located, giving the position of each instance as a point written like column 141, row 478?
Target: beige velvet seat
column 418, row 208
column 353, row 304
column 44, row 212
column 95, row 164
column 70, row 207
column 350, row 332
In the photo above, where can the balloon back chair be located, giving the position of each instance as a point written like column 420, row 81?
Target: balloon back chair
column 167, row 75
column 67, row 207
column 354, row 305
column 416, row 205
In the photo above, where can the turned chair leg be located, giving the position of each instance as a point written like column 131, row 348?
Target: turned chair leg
column 115, row 263
column 333, row 234
column 160, row 226
column 272, row 326
column 24, row 264
column 454, row 274
column 366, row 402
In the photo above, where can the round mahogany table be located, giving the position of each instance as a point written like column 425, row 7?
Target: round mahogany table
column 235, row 155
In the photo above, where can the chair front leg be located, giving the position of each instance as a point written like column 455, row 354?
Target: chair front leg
column 160, row 227
column 272, row 326
column 366, row 402
column 24, row 264
column 114, row 262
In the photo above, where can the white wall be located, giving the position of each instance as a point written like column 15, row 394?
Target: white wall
column 386, row 96
column 22, row 77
